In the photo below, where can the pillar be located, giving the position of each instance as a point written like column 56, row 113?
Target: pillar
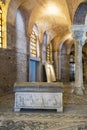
column 78, row 69
column 79, row 34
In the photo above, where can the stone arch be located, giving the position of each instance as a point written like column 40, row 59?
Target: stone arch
column 80, row 14
column 63, row 62
column 17, row 38
column 13, row 8
column 70, row 44
column 63, row 46
column 11, row 11
column 21, row 37
column 21, row 45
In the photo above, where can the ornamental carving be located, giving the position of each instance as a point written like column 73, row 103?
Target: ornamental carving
column 26, row 100
column 78, row 34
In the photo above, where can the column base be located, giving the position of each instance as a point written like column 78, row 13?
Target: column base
column 79, row 91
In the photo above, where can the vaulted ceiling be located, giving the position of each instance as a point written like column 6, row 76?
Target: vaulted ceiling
column 53, row 16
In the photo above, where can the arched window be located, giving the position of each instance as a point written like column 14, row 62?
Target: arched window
column 1, row 28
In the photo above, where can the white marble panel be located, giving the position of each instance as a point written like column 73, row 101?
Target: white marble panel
column 36, row 100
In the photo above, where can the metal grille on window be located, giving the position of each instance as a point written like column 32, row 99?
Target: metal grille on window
column 0, row 27
column 49, row 53
column 33, row 44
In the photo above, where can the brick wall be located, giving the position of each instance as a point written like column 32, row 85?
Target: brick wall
column 12, row 70
column 65, row 68
column 13, row 60
column 8, row 70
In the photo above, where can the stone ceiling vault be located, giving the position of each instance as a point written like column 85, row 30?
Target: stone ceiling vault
column 56, row 23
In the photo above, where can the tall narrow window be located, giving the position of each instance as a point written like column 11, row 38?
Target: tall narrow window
column 0, row 27
column 34, row 43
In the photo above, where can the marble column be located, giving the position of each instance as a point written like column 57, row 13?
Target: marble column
column 79, row 36
column 78, row 69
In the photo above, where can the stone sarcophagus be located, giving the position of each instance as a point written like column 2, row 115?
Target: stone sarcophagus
column 38, row 95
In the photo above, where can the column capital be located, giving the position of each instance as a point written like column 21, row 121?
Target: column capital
column 79, row 33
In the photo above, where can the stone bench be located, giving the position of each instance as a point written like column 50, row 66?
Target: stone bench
column 38, row 95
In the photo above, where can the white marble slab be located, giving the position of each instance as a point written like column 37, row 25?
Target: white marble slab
column 38, row 95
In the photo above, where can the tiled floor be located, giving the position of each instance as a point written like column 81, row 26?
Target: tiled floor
column 74, row 116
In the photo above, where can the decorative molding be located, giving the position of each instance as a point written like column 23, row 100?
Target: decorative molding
column 79, row 27
column 37, row 100
column 79, row 33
